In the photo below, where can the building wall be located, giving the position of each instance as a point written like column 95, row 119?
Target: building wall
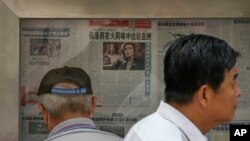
column 9, row 74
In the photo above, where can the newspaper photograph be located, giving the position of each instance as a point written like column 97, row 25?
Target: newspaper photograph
column 123, row 56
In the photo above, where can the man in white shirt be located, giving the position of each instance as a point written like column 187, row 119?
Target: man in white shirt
column 67, row 104
column 201, row 91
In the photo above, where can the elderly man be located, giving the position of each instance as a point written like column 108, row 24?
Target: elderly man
column 67, row 104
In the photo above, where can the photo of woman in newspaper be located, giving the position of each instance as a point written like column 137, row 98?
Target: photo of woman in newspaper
column 123, row 56
column 110, row 56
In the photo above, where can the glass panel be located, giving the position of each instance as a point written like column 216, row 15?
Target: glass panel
column 125, row 94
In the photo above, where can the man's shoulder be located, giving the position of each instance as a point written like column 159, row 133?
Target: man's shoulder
column 153, row 127
column 154, row 120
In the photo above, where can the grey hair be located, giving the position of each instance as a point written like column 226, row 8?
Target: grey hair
column 56, row 104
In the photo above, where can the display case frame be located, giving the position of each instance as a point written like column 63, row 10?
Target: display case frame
column 12, row 11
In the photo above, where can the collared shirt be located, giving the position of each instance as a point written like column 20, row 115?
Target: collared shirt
column 77, row 129
column 166, row 124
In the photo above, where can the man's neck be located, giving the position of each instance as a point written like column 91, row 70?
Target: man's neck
column 57, row 120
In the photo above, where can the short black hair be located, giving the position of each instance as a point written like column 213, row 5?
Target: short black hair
column 194, row 60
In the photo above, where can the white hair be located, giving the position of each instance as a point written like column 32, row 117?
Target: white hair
column 56, row 104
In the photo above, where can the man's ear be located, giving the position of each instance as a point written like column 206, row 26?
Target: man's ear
column 203, row 95
column 44, row 113
column 93, row 104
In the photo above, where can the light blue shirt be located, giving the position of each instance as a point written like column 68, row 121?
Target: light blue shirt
column 166, row 124
column 78, row 129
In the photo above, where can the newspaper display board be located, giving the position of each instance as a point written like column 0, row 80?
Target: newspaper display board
column 123, row 96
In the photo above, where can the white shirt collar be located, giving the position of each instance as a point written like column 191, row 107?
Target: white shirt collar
column 181, row 121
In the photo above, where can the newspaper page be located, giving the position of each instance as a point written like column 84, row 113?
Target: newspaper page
column 234, row 31
column 120, row 86
column 102, row 48
column 45, row 44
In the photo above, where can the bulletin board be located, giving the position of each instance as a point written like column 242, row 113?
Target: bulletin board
column 71, row 33
column 123, row 96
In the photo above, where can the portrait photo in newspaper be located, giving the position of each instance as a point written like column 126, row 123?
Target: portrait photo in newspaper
column 123, row 56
